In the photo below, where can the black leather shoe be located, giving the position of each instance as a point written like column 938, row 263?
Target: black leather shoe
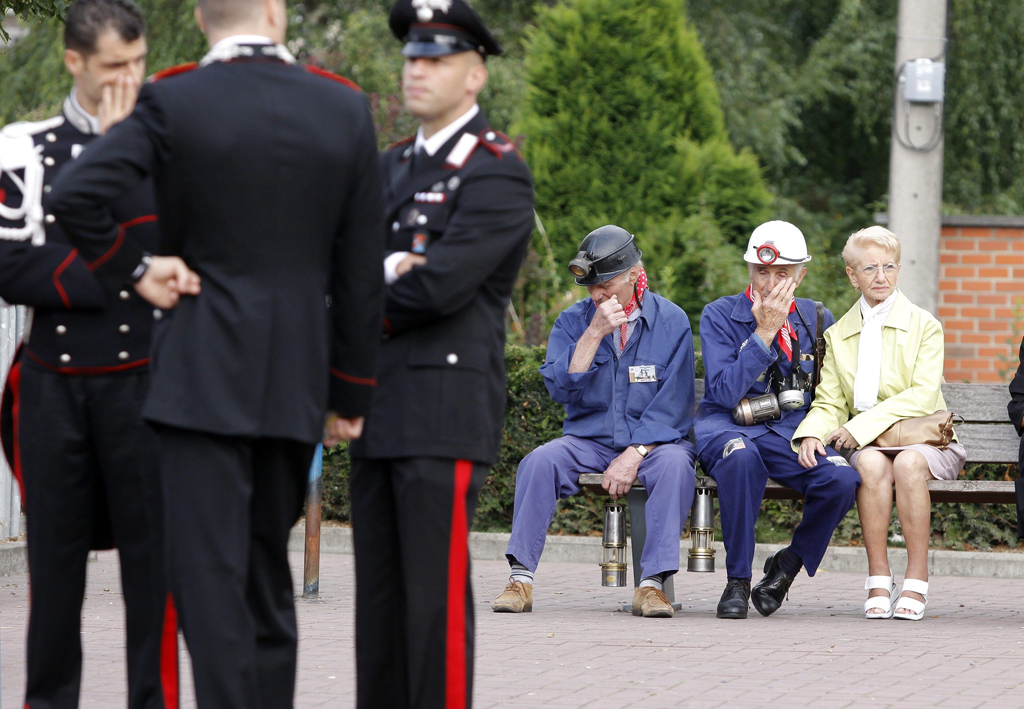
column 771, row 590
column 733, row 603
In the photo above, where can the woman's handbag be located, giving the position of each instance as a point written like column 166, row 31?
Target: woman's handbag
column 933, row 430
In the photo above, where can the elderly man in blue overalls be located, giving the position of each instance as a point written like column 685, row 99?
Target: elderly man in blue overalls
column 621, row 361
column 758, row 357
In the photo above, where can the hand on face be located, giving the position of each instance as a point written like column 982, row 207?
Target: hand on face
column 117, row 101
column 609, row 317
column 771, row 311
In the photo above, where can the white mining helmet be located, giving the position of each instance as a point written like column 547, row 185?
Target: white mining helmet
column 776, row 243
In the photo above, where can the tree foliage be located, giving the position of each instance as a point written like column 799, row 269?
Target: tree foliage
column 622, row 124
column 31, row 11
column 34, row 82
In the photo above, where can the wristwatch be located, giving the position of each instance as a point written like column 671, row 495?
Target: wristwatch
column 141, row 269
column 641, row 449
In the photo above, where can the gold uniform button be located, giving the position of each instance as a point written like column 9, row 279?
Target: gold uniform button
column 122, row 356
column 124, row 329
column 65, row 358
column 123, row 295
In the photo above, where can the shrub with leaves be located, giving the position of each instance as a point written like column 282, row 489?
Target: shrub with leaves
column 622, row 124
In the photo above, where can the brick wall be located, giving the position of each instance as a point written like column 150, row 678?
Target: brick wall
column 981, row 280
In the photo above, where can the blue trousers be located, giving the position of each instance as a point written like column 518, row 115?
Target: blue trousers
column 741, row 466
column 552, row 472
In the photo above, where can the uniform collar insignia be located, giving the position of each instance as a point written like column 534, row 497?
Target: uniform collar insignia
column 76, row 115
column 425, row 8
column 229, row 52
column 462, row 150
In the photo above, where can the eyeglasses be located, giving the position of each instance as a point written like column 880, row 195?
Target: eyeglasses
column 888, row 269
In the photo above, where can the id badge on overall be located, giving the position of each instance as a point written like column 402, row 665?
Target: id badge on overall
column 642, row 373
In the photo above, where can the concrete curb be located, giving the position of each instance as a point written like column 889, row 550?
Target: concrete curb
column 13, row 558
column 587, row 550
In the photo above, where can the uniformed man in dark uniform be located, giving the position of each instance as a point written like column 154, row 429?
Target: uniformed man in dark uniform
column 268, row 188
column 71, row 423
column 459, row 213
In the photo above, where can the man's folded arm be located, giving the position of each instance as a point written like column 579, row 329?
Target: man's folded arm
column 106, row 169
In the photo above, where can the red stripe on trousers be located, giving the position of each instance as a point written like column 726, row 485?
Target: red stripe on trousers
column 458, row 565
column 169, row 656
column 14, row 381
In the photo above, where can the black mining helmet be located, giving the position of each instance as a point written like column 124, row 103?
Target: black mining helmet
column 604, row 253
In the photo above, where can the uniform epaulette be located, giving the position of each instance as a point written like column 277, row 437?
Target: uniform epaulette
column 333, row 77
column 173, row 71
column 498, row 143
column 403, row 141
column 29, row 128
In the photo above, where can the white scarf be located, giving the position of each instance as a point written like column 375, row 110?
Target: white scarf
column 869, row 352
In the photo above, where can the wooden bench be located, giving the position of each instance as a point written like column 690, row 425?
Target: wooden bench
column 986, row 434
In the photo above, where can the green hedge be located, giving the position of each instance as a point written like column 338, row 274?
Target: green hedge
column 532, row 418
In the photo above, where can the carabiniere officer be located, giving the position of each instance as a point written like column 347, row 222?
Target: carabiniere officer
column 459, row 214
column 70, row 421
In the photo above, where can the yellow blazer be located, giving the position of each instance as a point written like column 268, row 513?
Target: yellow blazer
column 913, row 352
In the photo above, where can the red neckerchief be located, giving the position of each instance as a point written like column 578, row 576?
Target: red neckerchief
column 786, row 332
column 635, row 302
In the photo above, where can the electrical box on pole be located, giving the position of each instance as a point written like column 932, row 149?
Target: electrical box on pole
column 915, row 166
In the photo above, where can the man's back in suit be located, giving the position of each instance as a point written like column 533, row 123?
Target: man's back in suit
column 268, row 187
column 265, row 180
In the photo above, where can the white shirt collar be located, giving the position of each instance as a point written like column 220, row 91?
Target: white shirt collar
column 240, row 45
column 434, row 143
column 237, row 39
column 79, row 117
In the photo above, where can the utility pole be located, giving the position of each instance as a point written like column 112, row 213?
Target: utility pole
column 915, row 163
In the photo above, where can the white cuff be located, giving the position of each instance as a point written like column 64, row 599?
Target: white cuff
column 390, row 264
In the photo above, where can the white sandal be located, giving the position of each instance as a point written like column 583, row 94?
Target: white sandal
column 913, row 605
column 882, row 603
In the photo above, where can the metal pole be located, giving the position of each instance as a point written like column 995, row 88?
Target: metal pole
column 915, row 176
column 311, row 564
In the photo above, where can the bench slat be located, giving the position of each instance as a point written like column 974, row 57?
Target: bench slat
column 977, row 403
column 981, row 491
column 989, row 443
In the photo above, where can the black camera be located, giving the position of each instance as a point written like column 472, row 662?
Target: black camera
column 769, row 407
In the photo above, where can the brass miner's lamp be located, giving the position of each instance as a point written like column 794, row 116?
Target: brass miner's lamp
column 613, row 565
column 702, row 532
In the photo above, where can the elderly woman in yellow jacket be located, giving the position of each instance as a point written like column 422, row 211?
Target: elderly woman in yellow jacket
column 883, row 364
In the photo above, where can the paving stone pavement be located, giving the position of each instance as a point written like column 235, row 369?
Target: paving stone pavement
column 577, row 650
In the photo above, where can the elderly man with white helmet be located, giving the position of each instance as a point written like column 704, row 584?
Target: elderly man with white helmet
column 758, row 349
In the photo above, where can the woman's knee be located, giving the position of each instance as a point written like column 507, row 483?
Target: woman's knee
column 875, row 469
column 910, row 468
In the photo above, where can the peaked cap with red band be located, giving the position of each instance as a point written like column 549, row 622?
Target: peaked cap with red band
column 436, row 28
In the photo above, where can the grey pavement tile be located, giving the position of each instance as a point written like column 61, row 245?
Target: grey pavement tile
column 817, row 650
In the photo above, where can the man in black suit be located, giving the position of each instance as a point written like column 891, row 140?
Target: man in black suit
column 268, row 192
column 71, row 419
column 459, row 213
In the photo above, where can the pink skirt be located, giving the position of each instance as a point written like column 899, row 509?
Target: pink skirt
column 943, row 464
